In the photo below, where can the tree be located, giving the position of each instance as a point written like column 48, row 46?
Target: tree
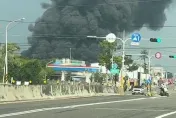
column 144, row 57
column 158, row 74
column 106, row 55
column 169, row 75
column 1, row 63
column 97, row 77
column 24, row 69
column 11, row 48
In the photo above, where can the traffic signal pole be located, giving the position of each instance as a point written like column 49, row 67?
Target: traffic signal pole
column 123, row 40
column 149, row 61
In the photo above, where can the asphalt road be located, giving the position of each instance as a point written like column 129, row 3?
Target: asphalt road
column 94, row 107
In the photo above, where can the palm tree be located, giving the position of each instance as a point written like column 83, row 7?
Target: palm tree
column 144, row 57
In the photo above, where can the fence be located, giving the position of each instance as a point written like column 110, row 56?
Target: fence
column 13, row 92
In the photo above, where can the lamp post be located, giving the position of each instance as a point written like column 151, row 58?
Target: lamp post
column 6, row 59
column 70, row 53
column 111, row 38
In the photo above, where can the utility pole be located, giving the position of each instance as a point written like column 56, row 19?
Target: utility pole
column 112, row 61
column 6, row 43
column 70, row 53
column 123, row 40
column 149, row 61
column 111, row 38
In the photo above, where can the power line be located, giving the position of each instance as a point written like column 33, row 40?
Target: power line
column 64, row 36
column 134, row 48
column 51, row 22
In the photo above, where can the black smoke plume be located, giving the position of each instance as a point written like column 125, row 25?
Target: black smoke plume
column 66, row 23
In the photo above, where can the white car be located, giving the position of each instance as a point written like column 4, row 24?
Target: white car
column 138, row 90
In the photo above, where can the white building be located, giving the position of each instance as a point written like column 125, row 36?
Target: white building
column 103, row 69
column 158, row 72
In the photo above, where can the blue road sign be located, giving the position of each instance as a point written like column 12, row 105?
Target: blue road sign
column 136, row 37
column 149, row 80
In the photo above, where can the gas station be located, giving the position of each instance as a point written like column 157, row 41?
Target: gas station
column 79, row 68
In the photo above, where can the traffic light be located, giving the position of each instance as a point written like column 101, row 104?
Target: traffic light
column 158, row 40
column 172, row 56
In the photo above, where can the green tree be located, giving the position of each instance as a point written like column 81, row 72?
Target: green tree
column 23, row 69
column 106, row 55
column 68, row 77
column 2, row 59
column 169, row 75
column 98, row 77
column 11, row 48
column 144, row 58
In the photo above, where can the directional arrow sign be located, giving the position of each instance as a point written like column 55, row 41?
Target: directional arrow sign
column 136, row 38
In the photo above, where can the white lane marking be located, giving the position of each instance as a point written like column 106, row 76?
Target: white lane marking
column 66, row 107
column 153, row 110
column 165, row 115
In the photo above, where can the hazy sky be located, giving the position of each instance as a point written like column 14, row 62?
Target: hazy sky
column 31, row 10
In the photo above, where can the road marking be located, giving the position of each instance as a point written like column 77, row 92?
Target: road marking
column 67, row 107
column 165, row 115
column 153, row 110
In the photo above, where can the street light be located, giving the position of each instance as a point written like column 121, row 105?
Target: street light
column 6, row 60
column 112, row 59
column 111, row 38
column 70, row 54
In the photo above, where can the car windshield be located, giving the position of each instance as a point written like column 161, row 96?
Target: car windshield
column 137, row 86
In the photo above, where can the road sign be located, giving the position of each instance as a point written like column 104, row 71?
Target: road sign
column 114, row 71
column 134, row 43
column 158, row 55
column 111, row 37
column 114, row 66
column 136, row 38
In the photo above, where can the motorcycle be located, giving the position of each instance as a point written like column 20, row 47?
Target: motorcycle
column 164, row 91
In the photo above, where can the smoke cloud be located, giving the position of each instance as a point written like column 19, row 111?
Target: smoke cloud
column 66, row 23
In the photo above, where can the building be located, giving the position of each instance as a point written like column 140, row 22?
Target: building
column 158, row 72
column 77, row 69
column 102, row 69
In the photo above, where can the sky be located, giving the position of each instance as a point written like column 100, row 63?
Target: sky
column 31, row 10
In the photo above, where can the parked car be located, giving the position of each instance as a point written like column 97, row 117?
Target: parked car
column 138, row 90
